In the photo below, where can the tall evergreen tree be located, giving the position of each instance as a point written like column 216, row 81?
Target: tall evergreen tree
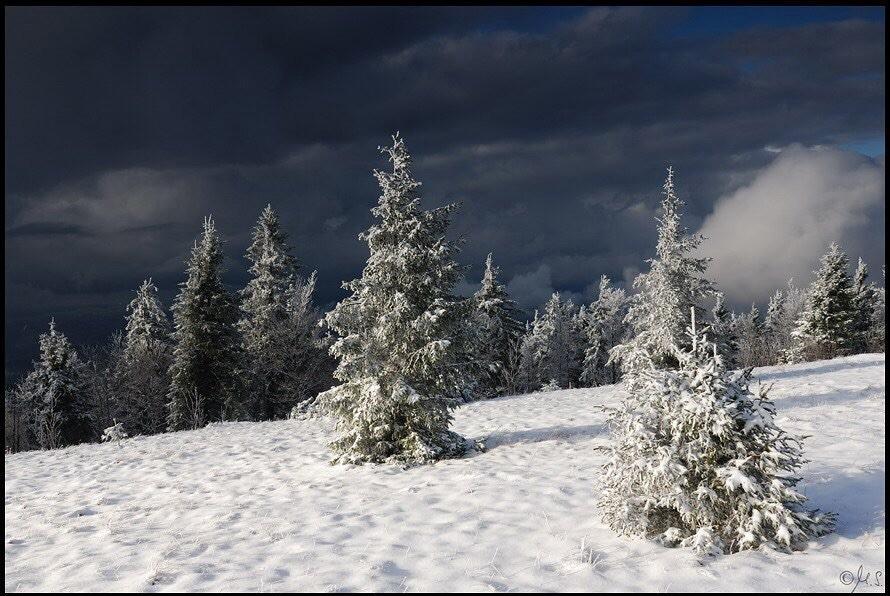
column 697, row 460
column 500, row 328
column 18, row 405
column 877, row 332
column 528, row 377
column 865, row 301
column 675, row 282
column 793, row 305
column 284, row 360
column 105, row 390
column 557, row 339
column 825, row 328
column 204, row 375
column 144, row 368
column 773, row 327
column 402, row 335
column 57, row 393
column 723, row 332
column 605, row 329
column 750, row 331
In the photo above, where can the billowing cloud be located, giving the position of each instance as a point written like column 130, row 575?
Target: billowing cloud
column 777, row 226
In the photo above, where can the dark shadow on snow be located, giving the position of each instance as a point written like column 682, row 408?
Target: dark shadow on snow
column 857, row 498
column 814, row 368
column 539, row 435
column 824, row 399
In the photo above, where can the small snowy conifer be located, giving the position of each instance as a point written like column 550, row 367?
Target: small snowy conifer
column 697, row 460
column 57, row 389
column 115, row 432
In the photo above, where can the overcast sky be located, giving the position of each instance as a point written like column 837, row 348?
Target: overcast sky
column 551, row 127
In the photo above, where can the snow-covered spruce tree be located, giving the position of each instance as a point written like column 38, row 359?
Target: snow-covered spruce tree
column 312, row 366
column 403, row 341
column 750, row 330
column 57, row 392
column 697, row 460
column 528, row 377
column 115, row 433
column 659, row 311
column 865, row 301
column 793, row 304
column 605, row 328
column 499, row 325
column 18, row 412
column 206, row 353
column 278, row 326
column 722, row 330
column 557, row 339
column 825, row 327
column 877, row 330
column 772, row 328
column 104, row 390
column 144, row 368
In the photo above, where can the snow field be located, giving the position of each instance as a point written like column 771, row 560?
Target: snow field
column 257, row 506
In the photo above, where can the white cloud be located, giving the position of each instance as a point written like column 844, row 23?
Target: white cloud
column 777, row 226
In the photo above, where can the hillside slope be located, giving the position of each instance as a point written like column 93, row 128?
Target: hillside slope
column 256, row 506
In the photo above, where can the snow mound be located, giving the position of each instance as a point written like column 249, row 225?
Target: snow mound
column 257, row 506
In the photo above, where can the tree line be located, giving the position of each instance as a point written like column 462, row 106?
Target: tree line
column 253, row 355
column 393, row 359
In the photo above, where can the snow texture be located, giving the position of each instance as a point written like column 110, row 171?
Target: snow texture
column 257, row 506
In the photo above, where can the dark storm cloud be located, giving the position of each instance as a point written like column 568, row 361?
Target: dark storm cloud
column 552, row 129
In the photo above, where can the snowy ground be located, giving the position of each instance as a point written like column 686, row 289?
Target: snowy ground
column 256, row 506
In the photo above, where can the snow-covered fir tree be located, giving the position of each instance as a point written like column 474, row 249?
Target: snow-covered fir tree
column 500, row 327
column 18, row 405
column 57, row 393
column 556, row 336
column 772, row 328
column 750, row 330
column 723, row 332
column 279, row 333
column 697, row 460
column 825, row 327
column 105, row 392
column 205, row 373
column 865, row 301
column 605, row 328
column 793, row 303
column 312, row 366
column 144, row 368
column 527, row 375
column 675, row 282
column 877, row 332
column 115, row 433
column 402, row 336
